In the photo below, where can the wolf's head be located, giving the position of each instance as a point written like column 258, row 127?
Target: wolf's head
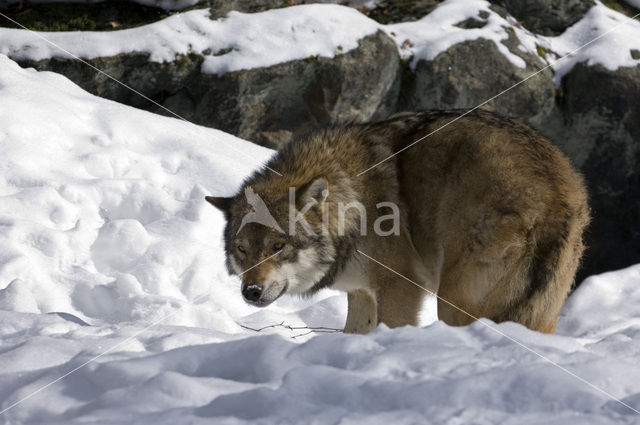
column 275, row 240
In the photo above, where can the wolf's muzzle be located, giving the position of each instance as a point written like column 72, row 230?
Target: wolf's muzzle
column 252, row 292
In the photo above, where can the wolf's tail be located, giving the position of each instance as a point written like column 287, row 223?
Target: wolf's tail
column 553, row 265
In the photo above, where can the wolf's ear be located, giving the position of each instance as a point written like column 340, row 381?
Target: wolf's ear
column 221, row 203
column 317, row 191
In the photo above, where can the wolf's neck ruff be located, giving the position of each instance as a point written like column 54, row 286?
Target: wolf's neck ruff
column 336, row 155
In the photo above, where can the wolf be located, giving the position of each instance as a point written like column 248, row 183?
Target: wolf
column 489, row 216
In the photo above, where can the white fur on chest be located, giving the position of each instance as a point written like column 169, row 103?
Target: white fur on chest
column 353, row 277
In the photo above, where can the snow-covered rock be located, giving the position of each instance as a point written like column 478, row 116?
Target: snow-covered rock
column 547, row 17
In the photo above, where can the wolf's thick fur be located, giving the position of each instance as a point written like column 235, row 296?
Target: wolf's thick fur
column 492, row 216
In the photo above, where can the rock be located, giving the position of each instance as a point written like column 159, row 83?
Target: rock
column 269, row 105
column 79, row 16
column 220, row 8
column 155, row 80
column 599, row 113
column 547, row 17
column 265, row 105
column 394, row 11
column 460, row 77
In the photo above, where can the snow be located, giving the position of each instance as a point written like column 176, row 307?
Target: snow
column 437, row 32
column 616, row 290
column 244, row 41
column 102, row 213
column 615, row 36
column 238, row 41
column 612, row 50
column 112, row 277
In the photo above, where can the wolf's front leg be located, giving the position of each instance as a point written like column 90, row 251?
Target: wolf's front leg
column 362, row 315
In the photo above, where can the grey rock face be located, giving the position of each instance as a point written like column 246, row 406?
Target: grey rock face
column 265, row 105
column 152, row 79
column 547, row 17
column 600, row 130
column 270, row 105
column 462, row 77
column 394, row 11
column 220, row 8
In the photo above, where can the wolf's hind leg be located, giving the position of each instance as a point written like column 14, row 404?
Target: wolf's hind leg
column 362, row 314
column 401, row 288
column 400, row 295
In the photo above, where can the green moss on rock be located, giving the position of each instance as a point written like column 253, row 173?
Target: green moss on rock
column 622, row 7
column 542, row 51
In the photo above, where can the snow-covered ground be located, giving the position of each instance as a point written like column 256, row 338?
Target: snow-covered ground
column 102, row 217
column 102, row 207
column 102, row 220
column 243, row 41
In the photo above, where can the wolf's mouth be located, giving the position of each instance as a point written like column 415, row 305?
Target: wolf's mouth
column 262, row 302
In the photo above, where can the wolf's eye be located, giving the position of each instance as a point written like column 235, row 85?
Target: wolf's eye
column 241, row 249
column 278, row 246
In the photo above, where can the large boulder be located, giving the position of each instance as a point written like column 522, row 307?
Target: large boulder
column 598, row 124
column 134, row 70
column 265, row 105
column 547, row 17
column 469, row 73
column 220, row 8
column 394, row 11
column 270, row 105
column 79, row 16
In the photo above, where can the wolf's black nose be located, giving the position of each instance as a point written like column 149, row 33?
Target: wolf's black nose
column 252, row 292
